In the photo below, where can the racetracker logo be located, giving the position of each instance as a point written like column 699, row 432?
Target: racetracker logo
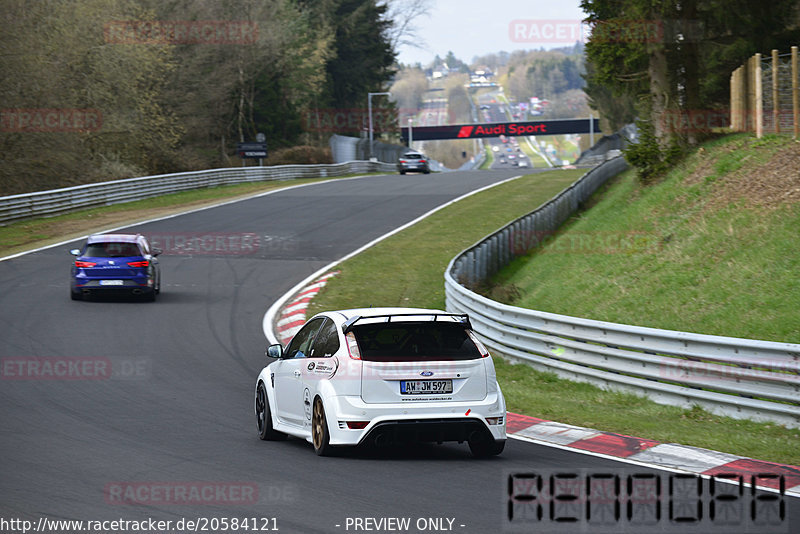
column 694, row 120
column 50, row 120
column 547, row 31
column 350, row 120
column 181, row 493
column 32, row 368
column 524, row 241
column 572, row 31
column 174, row 32
column 699, row 373
column 79, row 368
column 215, row 243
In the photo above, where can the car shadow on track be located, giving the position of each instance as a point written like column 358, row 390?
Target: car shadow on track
column 401, row 452
column 171, row 297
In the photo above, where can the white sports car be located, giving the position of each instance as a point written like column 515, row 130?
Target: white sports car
column 382, row 376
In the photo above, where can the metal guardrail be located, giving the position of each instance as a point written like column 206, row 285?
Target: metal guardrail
column 58, row 201
column 740, row 378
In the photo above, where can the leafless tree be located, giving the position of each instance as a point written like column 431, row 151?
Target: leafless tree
column 402, row 14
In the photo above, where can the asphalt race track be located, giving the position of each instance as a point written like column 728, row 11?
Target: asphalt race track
column 154, row 418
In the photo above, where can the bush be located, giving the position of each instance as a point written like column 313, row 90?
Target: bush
column 300, row 155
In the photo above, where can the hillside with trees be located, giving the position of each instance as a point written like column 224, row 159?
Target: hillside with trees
column 653, row 60
column 163, row 102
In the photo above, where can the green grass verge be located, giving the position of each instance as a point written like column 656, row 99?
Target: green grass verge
column 407, row 270
column 32, row 233
column 489, row 160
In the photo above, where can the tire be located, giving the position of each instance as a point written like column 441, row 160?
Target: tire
column 320, row 435
column 402, row 172
column 75, row 295
column 264, row 417
column 150, row 296
column 485, row 448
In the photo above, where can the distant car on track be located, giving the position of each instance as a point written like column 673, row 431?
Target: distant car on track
column 116, row 264
column 413, row 161
column 382, row 376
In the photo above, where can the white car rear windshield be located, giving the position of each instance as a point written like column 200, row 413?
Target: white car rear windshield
column 415, row 341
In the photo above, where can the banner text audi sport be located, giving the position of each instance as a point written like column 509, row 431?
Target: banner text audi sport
column 472, row 131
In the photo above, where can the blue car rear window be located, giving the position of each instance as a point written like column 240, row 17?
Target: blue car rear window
column 112, row 250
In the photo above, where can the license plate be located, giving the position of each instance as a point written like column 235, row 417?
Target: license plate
column 111, row 282
column 425, row 387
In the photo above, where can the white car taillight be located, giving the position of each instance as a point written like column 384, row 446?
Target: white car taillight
column 352, row 346
column 484, row 352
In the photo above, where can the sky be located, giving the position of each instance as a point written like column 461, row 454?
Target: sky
column 478, row 27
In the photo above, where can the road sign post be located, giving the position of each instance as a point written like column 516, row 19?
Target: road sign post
column 251, row 151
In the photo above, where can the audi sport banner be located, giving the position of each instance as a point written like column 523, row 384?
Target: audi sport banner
column 496, row 129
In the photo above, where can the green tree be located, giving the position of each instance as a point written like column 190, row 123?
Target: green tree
column 55, row 55
column 362, row 58
column 680, row 61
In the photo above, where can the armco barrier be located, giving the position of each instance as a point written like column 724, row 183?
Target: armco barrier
column 741, row 378
column 58, row 201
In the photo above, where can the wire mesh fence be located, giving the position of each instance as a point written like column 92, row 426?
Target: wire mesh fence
column 764, row 94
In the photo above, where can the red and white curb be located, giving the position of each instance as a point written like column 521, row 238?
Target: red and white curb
column 639, row 451
column 648, row 452
column 293, row 314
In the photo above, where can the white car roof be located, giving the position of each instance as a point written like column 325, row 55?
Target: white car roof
column 371, row 312
column 386, row 314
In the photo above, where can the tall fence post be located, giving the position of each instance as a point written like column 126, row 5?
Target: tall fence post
column 736, row 99
column 795, row 94
column 776, row 103
column 759, row 97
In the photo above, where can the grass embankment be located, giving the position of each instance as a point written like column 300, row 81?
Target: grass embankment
column 29, row 234
column 714, row 248
column 407, row 268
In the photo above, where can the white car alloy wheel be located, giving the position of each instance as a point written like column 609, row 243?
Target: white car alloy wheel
column 319, row 427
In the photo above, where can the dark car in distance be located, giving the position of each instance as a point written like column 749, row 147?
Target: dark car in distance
column 413, row 161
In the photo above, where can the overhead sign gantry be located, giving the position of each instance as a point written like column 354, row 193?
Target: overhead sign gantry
column 496, row 129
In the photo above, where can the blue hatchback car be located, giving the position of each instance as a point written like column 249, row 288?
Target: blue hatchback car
column 116, row 264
